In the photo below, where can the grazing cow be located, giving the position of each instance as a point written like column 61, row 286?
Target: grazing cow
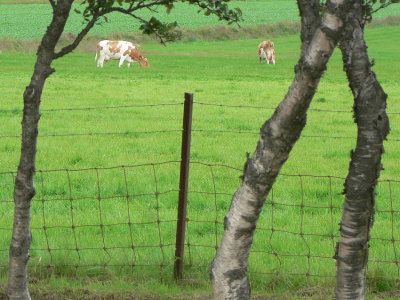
column 266, row 50
column 122, row 50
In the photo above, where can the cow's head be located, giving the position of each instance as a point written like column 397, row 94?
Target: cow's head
column 144, row 61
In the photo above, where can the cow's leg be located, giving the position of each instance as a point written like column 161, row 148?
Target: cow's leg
column 121, row 61
column 129, row 64
column 100, row 62
column 263, row 56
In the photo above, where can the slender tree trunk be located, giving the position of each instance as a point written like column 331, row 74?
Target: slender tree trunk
column 365, row 165
column 24, row 190
column 277, row 138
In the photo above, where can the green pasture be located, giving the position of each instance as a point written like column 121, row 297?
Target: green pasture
column 136, row 204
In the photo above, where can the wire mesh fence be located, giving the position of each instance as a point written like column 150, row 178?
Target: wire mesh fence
column 125, row 217
column 101, row 219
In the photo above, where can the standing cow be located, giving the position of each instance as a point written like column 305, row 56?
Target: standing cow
column 122, row 50
column 266, row 50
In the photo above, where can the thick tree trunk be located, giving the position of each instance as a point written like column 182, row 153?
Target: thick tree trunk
column 278, row 136
column 310, row 20
column 365, row 165
column 24, row 189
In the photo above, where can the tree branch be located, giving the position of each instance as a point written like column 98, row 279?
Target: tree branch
column 141, row 5
column 71, row 47
column 127, row 11
column 384, row 5
column 368, row 10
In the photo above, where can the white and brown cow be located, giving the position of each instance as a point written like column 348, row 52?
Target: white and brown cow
column 122, row 50
column 266, row 50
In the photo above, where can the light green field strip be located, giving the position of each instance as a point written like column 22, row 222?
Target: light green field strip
column 29, row 21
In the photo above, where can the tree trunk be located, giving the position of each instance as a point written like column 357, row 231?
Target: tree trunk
column 24, row 190
column 310, row 20
column 365, row 165
column 277, row 138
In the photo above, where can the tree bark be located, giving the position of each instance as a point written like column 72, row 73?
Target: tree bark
column 310, row 20
column 24, row 189
column 365, row 165
column 277, row 138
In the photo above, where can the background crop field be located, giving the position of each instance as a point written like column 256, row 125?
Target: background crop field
column 254, row 13
column 297, row 230
column 186, row 16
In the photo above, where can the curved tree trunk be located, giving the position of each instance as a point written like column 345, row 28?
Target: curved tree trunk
column 24, row 190
column 277, row 138
column 365, row 165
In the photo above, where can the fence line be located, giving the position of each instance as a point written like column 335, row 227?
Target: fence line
column 105, row 219
column 273, row 108
column 94, row 107
column 176, row 130
column 96, row 133
column 132, row 230
column 176, row 104
column 77, row 134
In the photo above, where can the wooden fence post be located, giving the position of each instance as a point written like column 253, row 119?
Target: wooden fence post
column 183, row 186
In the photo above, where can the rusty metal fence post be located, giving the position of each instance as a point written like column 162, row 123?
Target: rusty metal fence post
column 183, row 186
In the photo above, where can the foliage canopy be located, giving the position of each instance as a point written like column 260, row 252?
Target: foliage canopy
column 164, row 30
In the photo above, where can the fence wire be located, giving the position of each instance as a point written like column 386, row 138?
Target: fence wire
column 273, row 108
column 75, row 225
column 177, row 104
column 14, row 111
column 175, row 130
column 125, row 217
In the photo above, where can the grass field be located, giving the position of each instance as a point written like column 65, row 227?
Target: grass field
column 225, row 73
column 186, row 16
